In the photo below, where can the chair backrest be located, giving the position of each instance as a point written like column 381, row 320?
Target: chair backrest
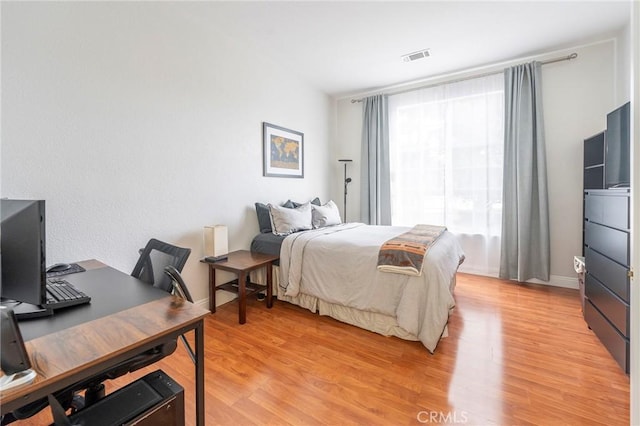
column 154, row 258
column 179, row 286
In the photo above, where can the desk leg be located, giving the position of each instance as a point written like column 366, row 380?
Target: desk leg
column 212, row 289
column 199, row 371
column 242, row 299
column 269, row 285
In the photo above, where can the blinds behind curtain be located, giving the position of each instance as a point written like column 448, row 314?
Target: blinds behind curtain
column 446, row 154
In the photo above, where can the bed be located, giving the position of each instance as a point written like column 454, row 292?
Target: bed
column 333, row 271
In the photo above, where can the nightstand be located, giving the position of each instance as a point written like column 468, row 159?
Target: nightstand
column 241, row 262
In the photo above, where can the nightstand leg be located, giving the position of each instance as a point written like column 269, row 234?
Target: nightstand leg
column 212, row 289
column 242, row 300
column 269, row 285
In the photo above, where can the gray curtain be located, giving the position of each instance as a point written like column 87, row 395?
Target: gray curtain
column 525, row 209
column 375, row 192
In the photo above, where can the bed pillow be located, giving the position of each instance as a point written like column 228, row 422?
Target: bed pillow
column 264, row 220
column 284, row 220
column 325, row 215
column 315, row 201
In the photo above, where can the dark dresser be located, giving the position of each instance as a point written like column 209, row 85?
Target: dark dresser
column 607, row 259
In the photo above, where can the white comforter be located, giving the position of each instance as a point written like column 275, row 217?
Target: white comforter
column 338, row 264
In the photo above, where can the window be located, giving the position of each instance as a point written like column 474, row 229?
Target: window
column 446, row 153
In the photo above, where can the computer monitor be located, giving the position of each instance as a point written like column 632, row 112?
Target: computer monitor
column 22, row 254
column 617, row 163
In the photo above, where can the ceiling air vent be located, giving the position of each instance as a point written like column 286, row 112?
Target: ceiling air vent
column 410, row 57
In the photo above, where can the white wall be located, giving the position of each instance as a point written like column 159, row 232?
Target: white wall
column 577, row 95
column 347, row 145
column 623, row 65
column 134, row 122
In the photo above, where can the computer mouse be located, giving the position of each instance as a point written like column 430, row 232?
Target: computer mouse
column 58, row 267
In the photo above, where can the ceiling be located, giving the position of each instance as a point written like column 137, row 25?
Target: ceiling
column 345, row 48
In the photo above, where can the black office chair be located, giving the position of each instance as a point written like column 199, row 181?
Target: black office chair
column 159, row 264
column 154, row 258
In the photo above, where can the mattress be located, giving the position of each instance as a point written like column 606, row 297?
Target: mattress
column 333, row 272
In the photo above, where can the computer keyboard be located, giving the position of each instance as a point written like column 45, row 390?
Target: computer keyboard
column 61, row 294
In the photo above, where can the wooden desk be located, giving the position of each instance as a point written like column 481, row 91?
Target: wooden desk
column 66, row 348
column 241, row 262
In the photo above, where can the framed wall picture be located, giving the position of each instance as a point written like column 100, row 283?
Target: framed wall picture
column 283, row 151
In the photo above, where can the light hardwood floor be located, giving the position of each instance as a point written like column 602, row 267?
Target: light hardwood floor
column 515, row 355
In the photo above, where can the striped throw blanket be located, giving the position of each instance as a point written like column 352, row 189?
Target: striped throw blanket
column 405, row 253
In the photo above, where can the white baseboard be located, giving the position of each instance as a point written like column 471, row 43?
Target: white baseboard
column 469, row 269
column 558, row 281
column 554, row 280
column 222, row 297
column 203, row 303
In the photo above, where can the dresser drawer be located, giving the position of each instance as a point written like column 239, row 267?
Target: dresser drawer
column 613, row 275
column 615, row 343
column 609, row 210
column 613, row 243
column 614, row 309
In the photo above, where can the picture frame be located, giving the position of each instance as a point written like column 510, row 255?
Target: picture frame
column 282, row 151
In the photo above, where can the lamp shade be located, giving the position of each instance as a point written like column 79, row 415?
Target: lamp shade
column 216, row 243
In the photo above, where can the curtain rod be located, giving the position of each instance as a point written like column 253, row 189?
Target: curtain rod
column 550, row 61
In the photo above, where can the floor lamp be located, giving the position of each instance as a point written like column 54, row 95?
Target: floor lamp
column 346, row 182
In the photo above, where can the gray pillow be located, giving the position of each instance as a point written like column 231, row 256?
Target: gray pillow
column 264, row 221
column 315, row 201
